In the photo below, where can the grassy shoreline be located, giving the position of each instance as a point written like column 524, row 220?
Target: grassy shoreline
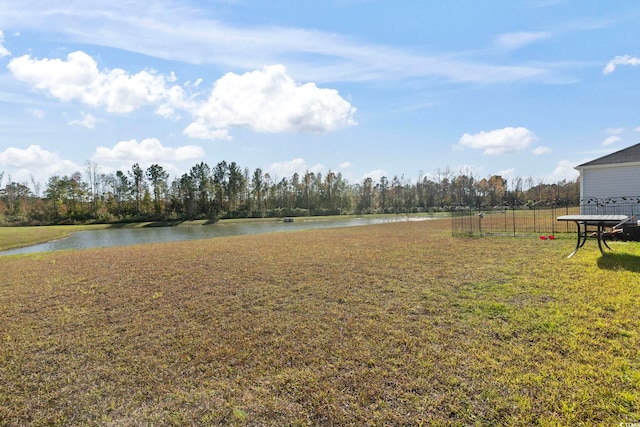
column 395, row 324
column 22, row 236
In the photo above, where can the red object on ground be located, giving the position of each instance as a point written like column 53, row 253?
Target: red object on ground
column 543, row 237
column 552, row 237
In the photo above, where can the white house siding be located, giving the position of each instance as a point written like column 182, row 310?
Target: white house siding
column 617, row 180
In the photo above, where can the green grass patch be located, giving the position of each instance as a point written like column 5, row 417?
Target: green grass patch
column 392, row 324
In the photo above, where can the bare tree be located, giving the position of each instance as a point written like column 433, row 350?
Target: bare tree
column 92, row 172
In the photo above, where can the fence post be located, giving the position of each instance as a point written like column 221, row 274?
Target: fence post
column 505, row 218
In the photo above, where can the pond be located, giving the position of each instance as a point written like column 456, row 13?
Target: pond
column 133, row 236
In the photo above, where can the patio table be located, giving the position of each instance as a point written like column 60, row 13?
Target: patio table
column 600, row 222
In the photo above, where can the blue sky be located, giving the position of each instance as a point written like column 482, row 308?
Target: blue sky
column 368, row 88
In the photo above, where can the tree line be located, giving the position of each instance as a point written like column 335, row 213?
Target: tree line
column 226, row 190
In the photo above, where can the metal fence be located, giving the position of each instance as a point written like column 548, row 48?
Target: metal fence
column 627, row 205
column 536, row 220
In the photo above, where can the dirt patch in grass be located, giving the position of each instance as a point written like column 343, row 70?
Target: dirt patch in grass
column 395, row 324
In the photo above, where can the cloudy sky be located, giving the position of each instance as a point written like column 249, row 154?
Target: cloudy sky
column 368, row 88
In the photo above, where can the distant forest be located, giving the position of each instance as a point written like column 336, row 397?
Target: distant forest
column 228, row 191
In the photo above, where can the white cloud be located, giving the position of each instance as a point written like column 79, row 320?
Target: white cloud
column 507, row 174
column 345, row 165
column 288, row 168
column 3, row 50
column 42, row 164
column 611, row 140
column 146, row 152
column 78, row 79
column 36, row 112
column 34, row 160
column 541, row 150
column 87, row 121
column 636, row 129
column 32, row 156
column 500, row 141
column 516, row 40
column 620, row 60
column 175, row 98
column 268, row 100
column 565, row 170
column 375, row 175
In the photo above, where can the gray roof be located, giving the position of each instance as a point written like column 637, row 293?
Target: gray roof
column 626, row 155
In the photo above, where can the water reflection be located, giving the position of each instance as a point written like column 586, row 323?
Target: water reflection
column 132, row 236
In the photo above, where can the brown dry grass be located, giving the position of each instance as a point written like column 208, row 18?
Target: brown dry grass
column 395, row 324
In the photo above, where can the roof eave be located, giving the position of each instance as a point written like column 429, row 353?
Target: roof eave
column 604, row 166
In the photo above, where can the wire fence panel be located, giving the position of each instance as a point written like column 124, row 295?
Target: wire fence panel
column 537, row 220
column 510, row 221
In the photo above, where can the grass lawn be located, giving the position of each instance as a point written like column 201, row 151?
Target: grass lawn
column 392, row 324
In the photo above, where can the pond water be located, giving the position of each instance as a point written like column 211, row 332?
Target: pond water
column 132, row 236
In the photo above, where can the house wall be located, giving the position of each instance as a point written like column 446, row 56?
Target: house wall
column 607, row 181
